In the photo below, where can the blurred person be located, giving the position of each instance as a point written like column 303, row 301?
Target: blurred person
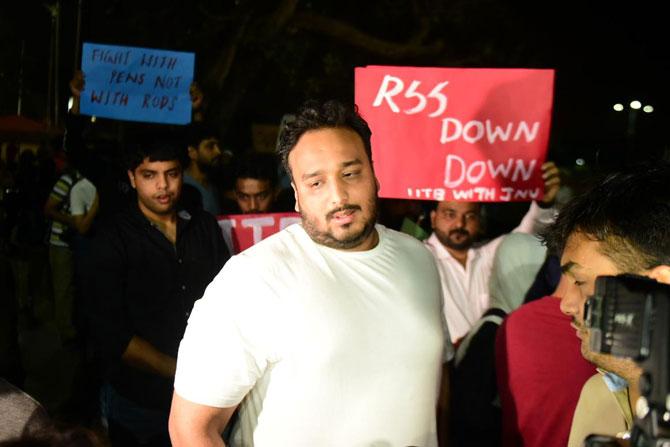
column 465, row 267
column 21, row 415
column 71, row 206
column 147, row 266
column 255, row 182
column 476, row 415
column 326, row 333
column 619, row 226
column 540, row 373
column 198, row 102
column 547, row 279
column 204, row 159
column 55, row 435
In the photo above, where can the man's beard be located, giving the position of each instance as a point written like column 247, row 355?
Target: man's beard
column 351, row 241
column 209, row 167
column 445, row 239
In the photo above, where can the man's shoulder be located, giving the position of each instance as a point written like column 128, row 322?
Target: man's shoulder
column 84, row 184
column 198, row 217
column 404, row 240
column 285, row 244
column 123, row 222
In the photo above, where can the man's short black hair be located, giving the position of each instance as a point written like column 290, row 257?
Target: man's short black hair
column 196, row 132
column 155, row 148
column 628, row 212
column 315, row 115
column 257, row 166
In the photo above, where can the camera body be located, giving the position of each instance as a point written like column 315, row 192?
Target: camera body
column 629, row 316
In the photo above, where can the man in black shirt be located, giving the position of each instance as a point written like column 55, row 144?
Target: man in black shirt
column 148, row 266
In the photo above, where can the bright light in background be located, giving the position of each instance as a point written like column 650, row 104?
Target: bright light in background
column 70, row 103
column 93, row 119
column 647, row 109
column 580, row 162
column 635, row 105
column 618, row 107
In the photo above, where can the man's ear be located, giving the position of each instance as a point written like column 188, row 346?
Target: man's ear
column 660, row 273
column 433, row 214
column 131, row 178
column 295, row 196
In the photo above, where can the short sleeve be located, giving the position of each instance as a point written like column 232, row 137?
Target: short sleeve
column 226, row 347
column 78, row 199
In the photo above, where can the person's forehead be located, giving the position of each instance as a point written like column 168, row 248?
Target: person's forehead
column 584, row 254
column 208, row 141
column 158, row 166
column 462, row 207
column 252, row 185
column 326, row 147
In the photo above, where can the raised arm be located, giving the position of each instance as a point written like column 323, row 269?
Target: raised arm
column 541, row 214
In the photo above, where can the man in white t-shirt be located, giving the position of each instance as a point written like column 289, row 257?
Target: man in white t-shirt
column 83, row 205
column 465, row 268
column 329, row 333
column 72, row 207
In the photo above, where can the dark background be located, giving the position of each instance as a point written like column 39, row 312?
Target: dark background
column 258, row 59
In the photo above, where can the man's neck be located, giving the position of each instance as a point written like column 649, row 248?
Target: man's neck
column 166, row 223
column 196, row 174
column 460, row 255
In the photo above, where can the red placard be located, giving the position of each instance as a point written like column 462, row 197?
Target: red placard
column 241, row 231
column 457, row 133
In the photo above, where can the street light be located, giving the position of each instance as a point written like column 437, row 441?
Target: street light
column 633, row 111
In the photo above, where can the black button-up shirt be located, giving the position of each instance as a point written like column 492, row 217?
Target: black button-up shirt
column 137, row 282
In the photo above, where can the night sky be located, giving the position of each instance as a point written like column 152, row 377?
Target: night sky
column 603, row 54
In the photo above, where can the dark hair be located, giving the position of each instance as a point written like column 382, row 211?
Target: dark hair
column 314, row 115
column 628, row 212
column 155, row 148
column 197, row 132
column 256, row 165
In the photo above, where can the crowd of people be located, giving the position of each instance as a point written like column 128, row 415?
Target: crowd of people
column 338, row 331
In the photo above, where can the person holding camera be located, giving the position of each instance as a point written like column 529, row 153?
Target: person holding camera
column 619, row 226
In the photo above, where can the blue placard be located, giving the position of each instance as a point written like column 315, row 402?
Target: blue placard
column 137, row 84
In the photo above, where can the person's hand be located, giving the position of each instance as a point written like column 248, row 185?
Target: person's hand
column 196, row 96
column 552, row 183
column 77, row 84
column 95, row 205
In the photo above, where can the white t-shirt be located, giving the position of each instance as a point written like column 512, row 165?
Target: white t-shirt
column 466, row 290
column 82, row 196
column 330, row 348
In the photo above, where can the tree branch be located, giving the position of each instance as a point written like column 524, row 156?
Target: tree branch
column 283, row 14
column 354, row 37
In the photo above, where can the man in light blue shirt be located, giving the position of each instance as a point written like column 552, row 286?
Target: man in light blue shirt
column 204, row 159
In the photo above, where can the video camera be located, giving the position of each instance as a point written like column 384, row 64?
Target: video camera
column 629, row 316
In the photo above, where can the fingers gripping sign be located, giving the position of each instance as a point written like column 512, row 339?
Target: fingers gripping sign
column 552, row 183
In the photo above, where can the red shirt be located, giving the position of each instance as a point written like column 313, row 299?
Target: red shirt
column 540, row 373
